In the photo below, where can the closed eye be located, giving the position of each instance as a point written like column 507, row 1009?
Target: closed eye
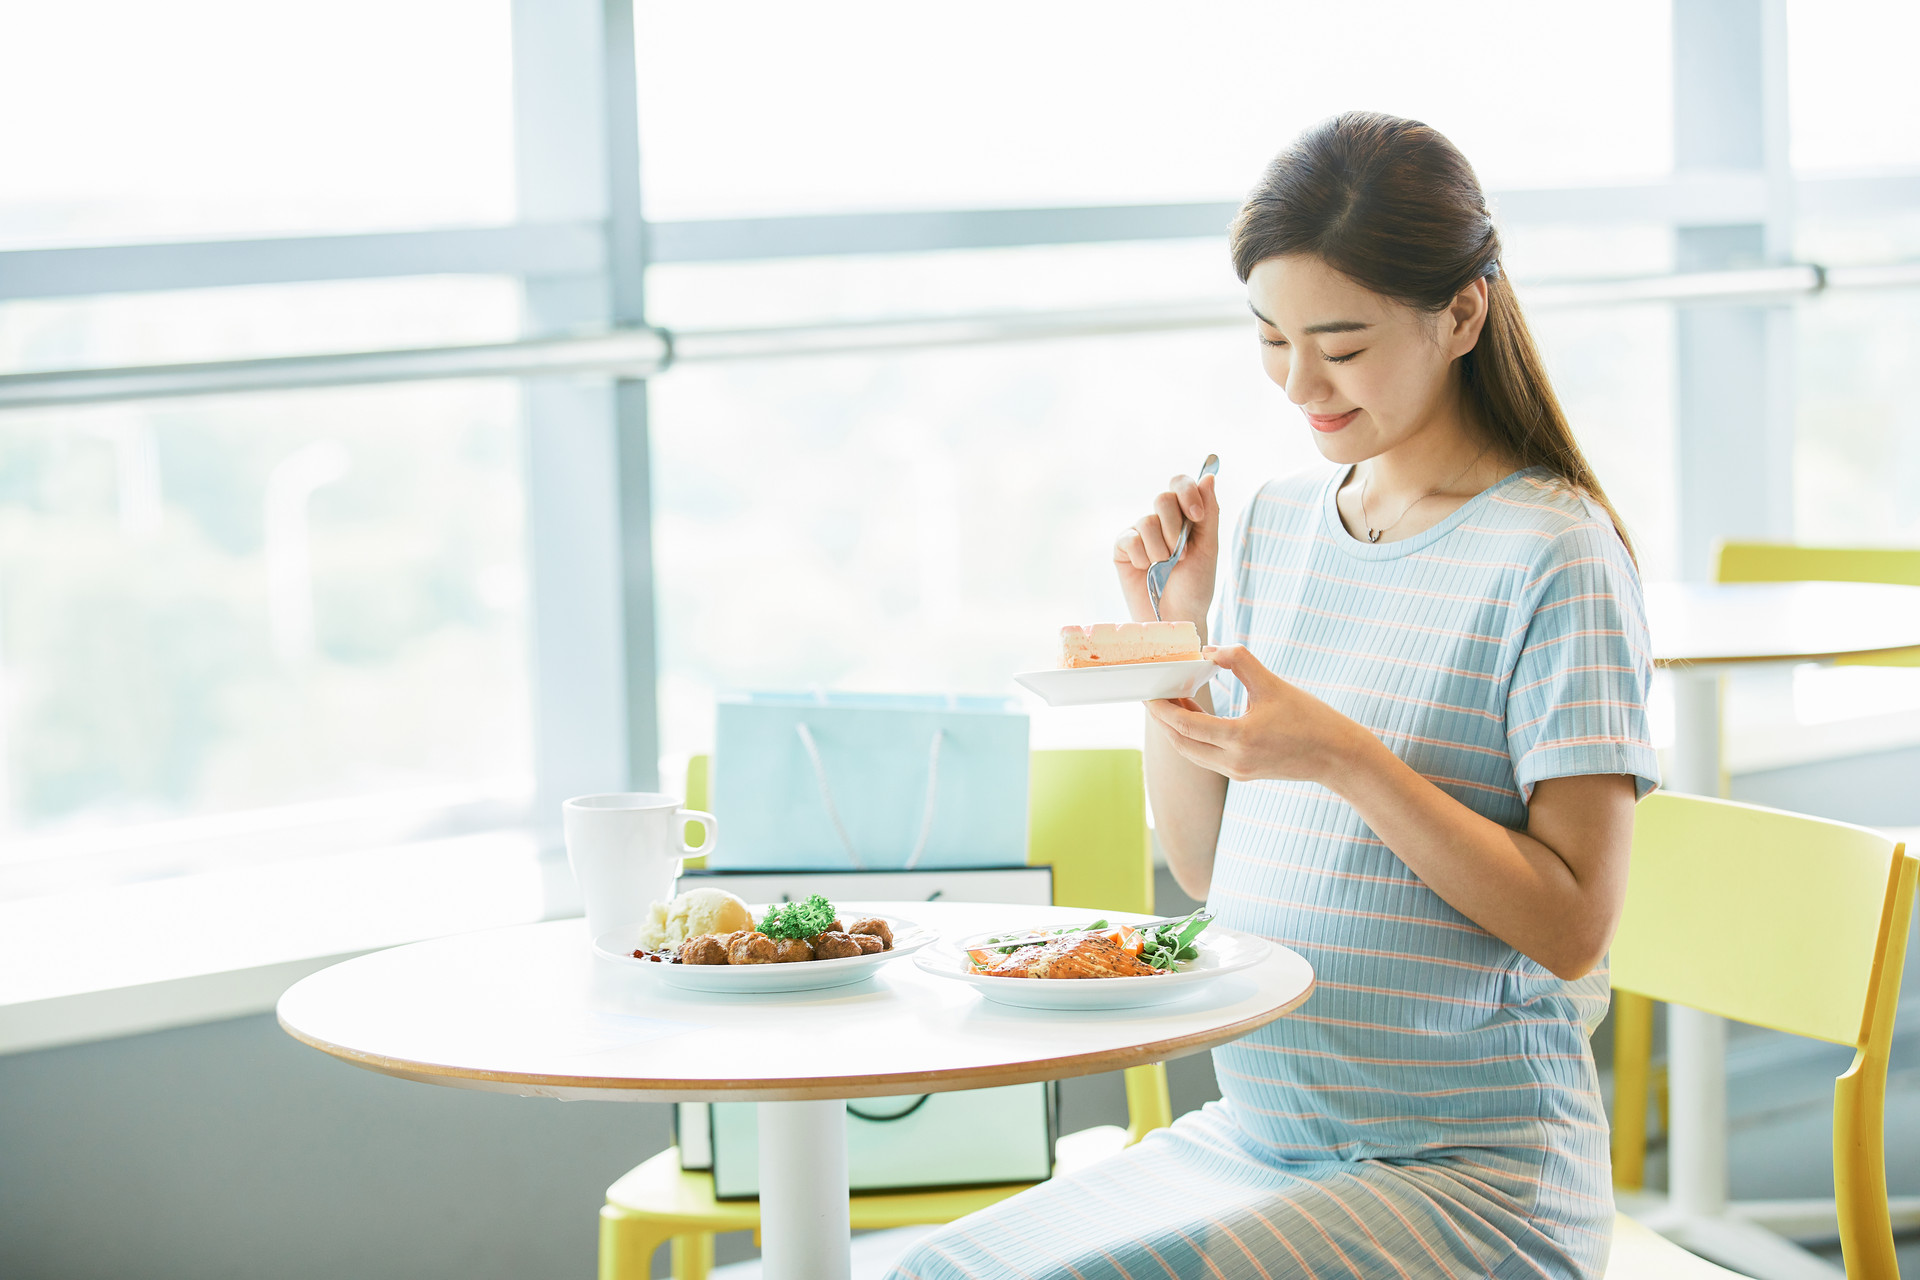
column 1342, row 359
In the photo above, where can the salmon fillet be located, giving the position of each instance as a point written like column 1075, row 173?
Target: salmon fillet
column 1090, row 957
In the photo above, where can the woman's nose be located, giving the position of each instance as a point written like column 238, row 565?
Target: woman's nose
column 1306, row 383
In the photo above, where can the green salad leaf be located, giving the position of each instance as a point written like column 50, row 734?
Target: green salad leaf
column 798, row 919
column 1170, row 945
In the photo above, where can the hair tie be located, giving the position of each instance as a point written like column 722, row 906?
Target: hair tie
column 1493, row 270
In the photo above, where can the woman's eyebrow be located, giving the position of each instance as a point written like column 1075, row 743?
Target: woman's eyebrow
column 1330, row 326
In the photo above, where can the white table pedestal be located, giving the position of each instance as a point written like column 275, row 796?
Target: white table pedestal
column 805, row 1231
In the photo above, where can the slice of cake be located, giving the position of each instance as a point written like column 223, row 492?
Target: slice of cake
column 1111, row 644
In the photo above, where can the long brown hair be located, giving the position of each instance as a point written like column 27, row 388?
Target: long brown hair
column 1393, row 206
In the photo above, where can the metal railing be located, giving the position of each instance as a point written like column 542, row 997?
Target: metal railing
column 643, row 352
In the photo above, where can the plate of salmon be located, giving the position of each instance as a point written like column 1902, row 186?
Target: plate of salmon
column 1099, row 965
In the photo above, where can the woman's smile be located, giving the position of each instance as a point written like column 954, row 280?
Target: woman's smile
column 1330, row 422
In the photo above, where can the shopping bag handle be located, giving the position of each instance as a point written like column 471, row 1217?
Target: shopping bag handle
column 833, row 810
column 898, row 1115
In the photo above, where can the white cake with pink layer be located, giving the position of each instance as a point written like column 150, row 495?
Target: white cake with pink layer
column 1114, row 644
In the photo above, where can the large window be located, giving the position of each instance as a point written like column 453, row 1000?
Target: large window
column 305, row 605
column 345, row 612
column 765, row 107
column 130, row 121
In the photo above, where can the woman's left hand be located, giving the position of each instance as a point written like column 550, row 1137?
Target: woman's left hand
column 1285, row 733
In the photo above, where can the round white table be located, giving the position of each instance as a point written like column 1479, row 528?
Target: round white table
column 530, row 1010
column 1700, row 631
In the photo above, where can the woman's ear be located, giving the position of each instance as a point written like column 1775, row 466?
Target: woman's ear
column 1467, row 316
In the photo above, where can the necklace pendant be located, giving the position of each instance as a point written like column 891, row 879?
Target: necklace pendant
column 1373, row 535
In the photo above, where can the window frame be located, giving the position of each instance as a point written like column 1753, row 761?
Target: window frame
column 581, row 250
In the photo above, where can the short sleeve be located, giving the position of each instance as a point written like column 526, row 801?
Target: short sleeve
column 1228, row 624
column 1577, row 703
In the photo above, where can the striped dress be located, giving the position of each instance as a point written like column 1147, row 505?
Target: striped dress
column 1433, row 1109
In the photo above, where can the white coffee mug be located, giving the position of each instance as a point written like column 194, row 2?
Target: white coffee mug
column 625, row 849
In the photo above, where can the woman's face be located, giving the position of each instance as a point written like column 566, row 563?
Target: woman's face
column 1368, row 372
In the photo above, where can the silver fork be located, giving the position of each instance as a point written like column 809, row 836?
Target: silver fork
column 1159, row 571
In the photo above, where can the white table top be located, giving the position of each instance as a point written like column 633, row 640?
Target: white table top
column 1708, row 624
column 530, row 1010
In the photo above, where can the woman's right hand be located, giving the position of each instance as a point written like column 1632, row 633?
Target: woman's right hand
column 1189, row 589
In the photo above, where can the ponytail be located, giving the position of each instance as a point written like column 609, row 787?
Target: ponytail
column 1506, row 385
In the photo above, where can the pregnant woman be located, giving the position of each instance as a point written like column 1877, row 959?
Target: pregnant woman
column 1419, row 770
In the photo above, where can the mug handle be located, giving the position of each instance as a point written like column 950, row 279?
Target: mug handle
column 707, row 821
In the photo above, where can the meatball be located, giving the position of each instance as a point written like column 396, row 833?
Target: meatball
column 750, row 948
column 708, row 948
column 835, row 946
column 868, row 943
column 877, row 927
column 791, row 950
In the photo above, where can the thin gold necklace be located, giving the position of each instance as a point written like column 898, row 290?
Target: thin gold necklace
column 1373, row 534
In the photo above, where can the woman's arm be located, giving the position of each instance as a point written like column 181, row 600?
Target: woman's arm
column 1552, row 892
column 1187, row 798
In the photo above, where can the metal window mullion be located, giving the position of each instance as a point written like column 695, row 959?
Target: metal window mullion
column 627, row 277
column 576, row 624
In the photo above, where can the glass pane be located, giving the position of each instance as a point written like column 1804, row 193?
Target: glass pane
column 1852, row 96
column 929, row 520
column 256, row 320
column 265, row 603
column 1857, row 435
column 768, row 108
column 203, row 118
column 1857, row 439
column 771, row 294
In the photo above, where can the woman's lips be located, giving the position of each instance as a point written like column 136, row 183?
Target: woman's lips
column 1333, row 422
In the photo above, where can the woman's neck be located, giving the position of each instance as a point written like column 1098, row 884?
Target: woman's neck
column 1450, row 455
column 1421, row 480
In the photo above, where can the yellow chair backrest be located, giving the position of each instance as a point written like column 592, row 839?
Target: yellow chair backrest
column 1768, row 917
column 1086, row 818
column 1788, row 562
column 1785, row 921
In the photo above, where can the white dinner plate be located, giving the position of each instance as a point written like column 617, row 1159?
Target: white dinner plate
column 1129, row 682
column 1222, row 951
column 618, row 945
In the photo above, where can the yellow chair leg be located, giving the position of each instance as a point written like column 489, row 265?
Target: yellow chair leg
column 627, row 1244
column 692, row 1257
column 1149, row 1106
column 1632, row 1055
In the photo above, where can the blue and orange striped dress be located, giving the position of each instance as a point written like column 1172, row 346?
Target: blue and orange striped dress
column 1433, row 1109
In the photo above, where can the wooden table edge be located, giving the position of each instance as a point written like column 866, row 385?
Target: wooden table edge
column 807, row 1089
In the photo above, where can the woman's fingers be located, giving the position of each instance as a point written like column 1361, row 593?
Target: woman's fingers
column 1172, row 519
column 1195, row 725
column 1129, row 550
column 1204, row 754
column 1194, row 500
column 1249, row 670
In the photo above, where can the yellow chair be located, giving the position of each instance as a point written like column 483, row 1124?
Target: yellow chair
column 1784, row 921
column 1787, row 562
column 1745, row 562
column 1087, row 819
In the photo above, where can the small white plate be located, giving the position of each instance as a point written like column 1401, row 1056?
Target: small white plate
column 1222, row 951
column 618, row 945
column 1129, row 682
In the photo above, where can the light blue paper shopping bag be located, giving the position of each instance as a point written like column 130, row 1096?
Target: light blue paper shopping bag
column 869, row 782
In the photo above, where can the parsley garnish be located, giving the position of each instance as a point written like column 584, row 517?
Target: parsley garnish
column 798, row 919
